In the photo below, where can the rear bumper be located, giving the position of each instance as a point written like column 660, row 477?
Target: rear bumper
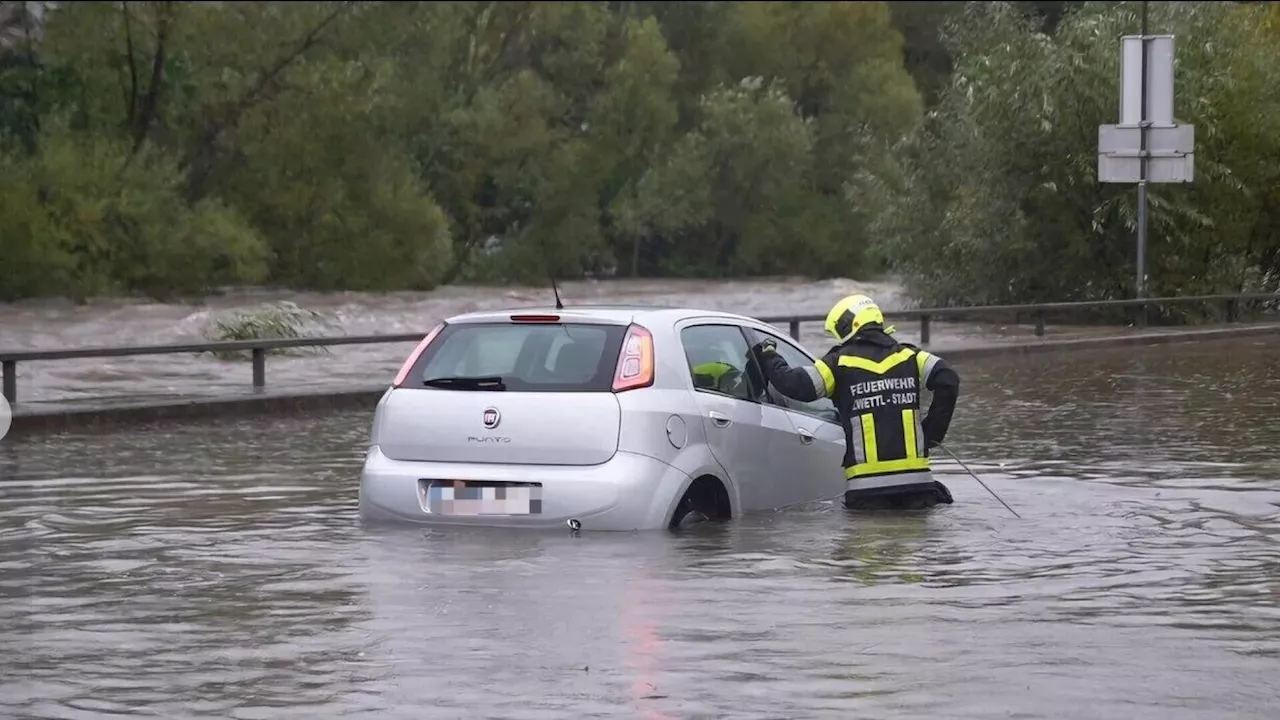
column 629, row 492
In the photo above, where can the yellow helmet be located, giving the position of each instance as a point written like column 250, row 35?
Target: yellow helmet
column 849, row 316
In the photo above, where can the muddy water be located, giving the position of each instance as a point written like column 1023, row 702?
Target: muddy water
column 46, row 325
column 220, row 571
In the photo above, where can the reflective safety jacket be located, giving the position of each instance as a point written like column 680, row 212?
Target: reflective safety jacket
column 875, row 383
column 710, row 374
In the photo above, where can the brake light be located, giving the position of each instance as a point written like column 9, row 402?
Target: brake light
column 536, row 318
column 413, row 356
column 635, row 362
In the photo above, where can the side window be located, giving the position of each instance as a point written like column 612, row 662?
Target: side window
column 717, row 356
column 820, row 408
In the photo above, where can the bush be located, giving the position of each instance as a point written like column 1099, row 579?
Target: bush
column 280, row 320
column 82, row 216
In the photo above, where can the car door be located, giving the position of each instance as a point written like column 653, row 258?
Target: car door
column 818, row 471
column 749, row 438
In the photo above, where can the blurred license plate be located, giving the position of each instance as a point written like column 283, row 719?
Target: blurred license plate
column 481, row 497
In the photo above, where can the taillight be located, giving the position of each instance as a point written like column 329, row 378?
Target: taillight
column 536, row 318
column 635, row 362
column 413, row 356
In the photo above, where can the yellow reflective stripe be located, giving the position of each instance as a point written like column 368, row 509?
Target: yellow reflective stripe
column 869, row 438
column 880, row 367
column 714, row 370
column 887, row 466
column 926, row 362
column 909, row 433
column 859, row 445
column 828, row 379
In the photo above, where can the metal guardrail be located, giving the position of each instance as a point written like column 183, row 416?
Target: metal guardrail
column 258, row 348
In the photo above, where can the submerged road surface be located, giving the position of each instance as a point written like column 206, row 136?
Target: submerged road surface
column 220, row 571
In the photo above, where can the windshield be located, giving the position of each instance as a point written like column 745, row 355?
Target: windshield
column 532, row 357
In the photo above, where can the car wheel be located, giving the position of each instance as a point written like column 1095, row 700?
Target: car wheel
column 705, row 500
column 687, row 514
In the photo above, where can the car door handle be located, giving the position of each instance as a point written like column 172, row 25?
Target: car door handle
column 719, row 420
column 806, row 437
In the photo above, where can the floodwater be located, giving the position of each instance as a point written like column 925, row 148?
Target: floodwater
column 113, row 322
column 220, row 571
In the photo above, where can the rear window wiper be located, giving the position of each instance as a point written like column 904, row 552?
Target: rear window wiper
column 467, row 383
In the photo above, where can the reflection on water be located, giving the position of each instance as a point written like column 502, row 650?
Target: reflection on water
column 218, row 570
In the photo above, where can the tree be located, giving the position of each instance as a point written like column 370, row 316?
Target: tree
column 78, row 219
column 738, row 191
column 257, row 115
column 997, row 198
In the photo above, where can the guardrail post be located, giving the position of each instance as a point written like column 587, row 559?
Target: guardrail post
column 259, row 367
column 1230, row 310
column 794, row 327
column 924, row 329
column 1039, row 316
column 1141, row 320
column 10, row 380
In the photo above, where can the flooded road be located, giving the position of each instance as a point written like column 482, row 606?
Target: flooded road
column 219, row 570
column 113, row 323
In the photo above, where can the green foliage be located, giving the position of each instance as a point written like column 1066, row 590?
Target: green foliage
column 817, row 93
column 379, row 145
column 168, row 148
column 749, row 192
column 996, row 198
column 343, row 207
column 77, row 216
column 282, row 320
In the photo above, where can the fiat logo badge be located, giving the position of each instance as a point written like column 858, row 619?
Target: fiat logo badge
column 492, row 417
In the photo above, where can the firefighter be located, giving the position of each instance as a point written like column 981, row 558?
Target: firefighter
column 875, row 382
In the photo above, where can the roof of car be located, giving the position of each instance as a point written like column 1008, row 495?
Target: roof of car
column 616, row 313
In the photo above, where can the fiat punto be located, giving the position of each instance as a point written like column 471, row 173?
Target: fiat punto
column 595, row 418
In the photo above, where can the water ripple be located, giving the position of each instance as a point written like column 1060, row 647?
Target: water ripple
column 218, row 570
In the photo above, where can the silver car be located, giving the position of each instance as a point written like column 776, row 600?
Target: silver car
column 598, row 418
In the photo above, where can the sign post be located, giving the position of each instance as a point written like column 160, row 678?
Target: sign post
column 1148, row 144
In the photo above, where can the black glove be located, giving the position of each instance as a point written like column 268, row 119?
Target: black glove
column 760, row 349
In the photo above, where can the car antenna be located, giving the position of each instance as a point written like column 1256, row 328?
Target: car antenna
column 556, row 290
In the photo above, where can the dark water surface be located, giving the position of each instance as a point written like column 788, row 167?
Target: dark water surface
column 219, row 571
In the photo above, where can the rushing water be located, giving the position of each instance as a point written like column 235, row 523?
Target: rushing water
column 47, row 325
column 219, row 570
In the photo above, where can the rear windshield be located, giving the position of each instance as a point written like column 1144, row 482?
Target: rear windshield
column 540, row 357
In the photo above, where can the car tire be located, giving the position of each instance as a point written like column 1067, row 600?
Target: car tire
column 687, row 515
